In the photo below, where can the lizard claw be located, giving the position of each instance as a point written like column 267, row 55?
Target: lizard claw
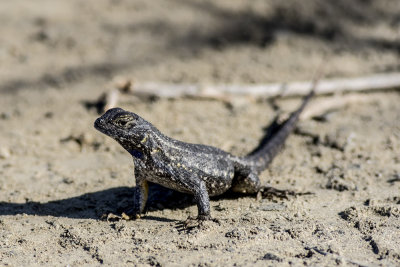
column 195, row 223
column 127, row 215
column 190, row 223
column 131, row 214
column 110, row 217
column 271, row 192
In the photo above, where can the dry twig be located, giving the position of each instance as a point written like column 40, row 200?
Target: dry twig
column 227, row 92
column 327, row 86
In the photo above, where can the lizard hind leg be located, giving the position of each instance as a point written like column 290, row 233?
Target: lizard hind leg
column 246, row 182
column 250, row 184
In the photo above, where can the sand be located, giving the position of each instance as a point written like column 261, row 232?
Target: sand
column 58, row 175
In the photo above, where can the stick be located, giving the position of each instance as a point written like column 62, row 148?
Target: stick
column 226, row 92
column 327, row 86
column 111, row 99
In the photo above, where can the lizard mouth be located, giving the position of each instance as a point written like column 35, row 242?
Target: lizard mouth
column 98, row 124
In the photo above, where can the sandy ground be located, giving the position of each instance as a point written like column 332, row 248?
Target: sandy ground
column 58, row 175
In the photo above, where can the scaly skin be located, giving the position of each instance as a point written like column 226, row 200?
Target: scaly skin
column 190, row 168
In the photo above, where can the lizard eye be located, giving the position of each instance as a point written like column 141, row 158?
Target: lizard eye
column 123, row 121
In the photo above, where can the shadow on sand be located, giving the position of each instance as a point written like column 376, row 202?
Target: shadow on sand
column 94, row 205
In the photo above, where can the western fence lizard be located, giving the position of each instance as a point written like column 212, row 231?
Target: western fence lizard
column 196, row 169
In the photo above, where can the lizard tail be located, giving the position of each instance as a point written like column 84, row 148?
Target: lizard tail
column 272, row 143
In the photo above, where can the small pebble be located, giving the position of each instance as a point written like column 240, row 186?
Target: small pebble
column 4, row 153
column 5, row 116
column 271, row 257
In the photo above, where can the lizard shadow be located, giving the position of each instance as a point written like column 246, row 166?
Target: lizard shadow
column 93, row 205
column 114, row 200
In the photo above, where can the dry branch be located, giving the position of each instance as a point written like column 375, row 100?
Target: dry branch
column 226, row 92
column 328, row 86
column 111, row 99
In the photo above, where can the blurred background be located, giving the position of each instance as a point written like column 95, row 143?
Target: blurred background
column 60, row 43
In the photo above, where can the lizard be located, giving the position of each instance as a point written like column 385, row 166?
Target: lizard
column 196, row 169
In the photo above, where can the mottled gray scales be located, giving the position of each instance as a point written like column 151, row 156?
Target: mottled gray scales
column 190, row 168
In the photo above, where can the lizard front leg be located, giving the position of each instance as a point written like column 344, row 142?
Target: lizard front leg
column 203, row 201
column 192, row 183
column 140, row 195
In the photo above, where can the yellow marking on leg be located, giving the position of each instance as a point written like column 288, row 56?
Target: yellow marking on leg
column 155, row 151
column 144, row 140
column 145, row 186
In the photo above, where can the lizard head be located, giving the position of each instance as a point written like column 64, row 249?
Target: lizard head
column 127, row 128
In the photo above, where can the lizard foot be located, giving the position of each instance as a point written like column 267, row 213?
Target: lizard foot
column 131, row 214
column 196, row 223
column 271, row 192
column 111, row 217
